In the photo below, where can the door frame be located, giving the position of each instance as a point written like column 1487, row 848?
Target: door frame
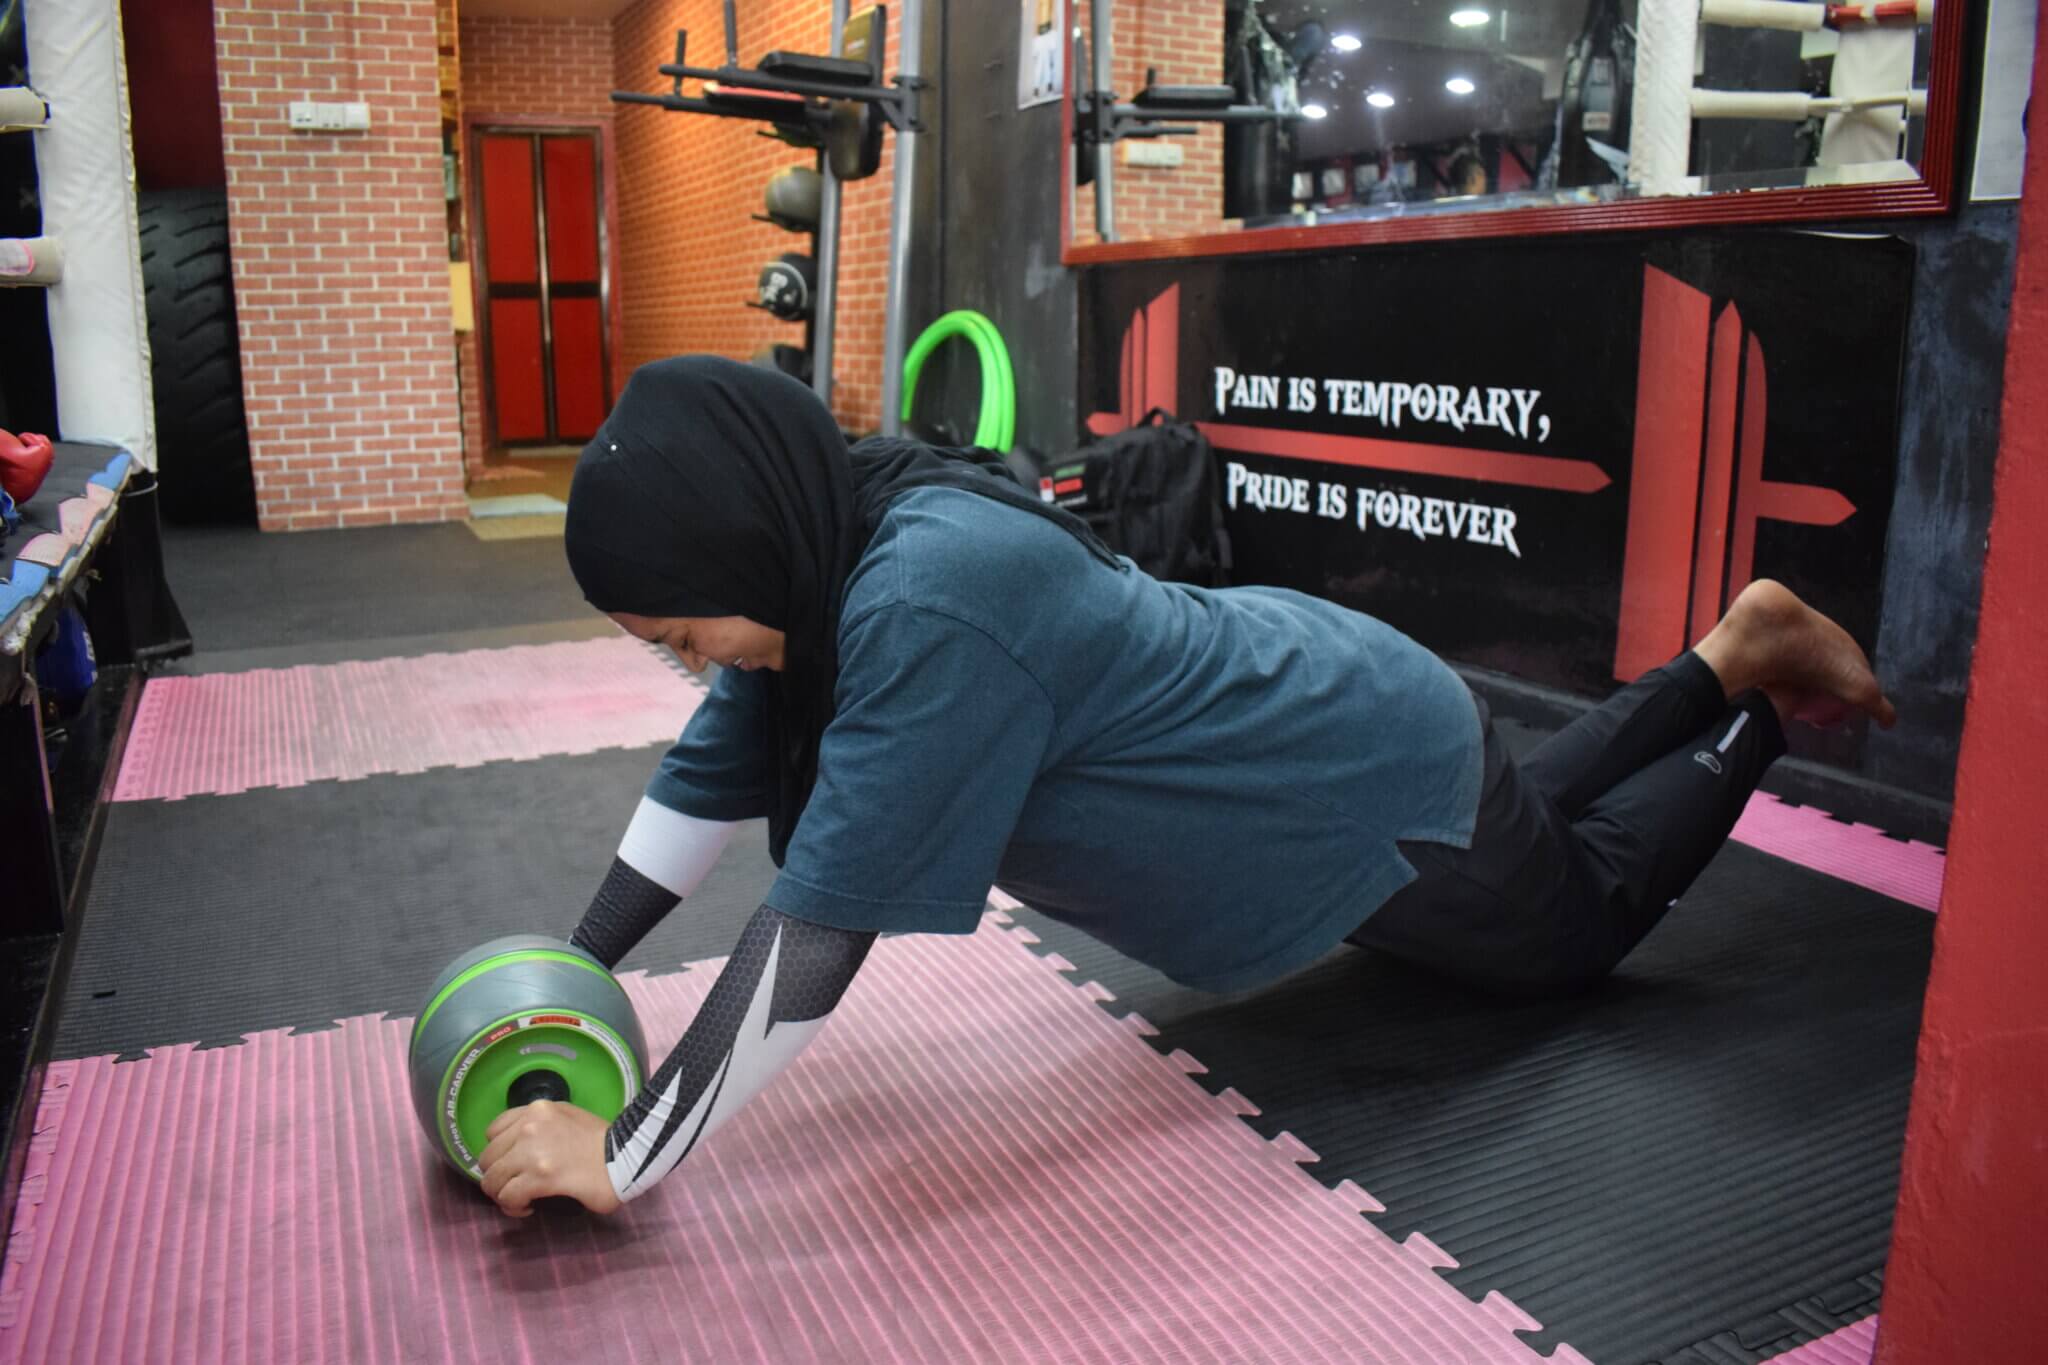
column 473, row 126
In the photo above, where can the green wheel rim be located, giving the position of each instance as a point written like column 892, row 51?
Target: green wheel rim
column 597, row 1063
column 997, row 427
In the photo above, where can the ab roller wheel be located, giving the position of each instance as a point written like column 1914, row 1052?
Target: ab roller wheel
column 520, row 1019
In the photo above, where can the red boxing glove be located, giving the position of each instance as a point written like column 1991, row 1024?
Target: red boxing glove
column 24, row 463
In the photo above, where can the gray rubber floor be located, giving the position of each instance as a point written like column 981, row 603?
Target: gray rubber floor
column 218, row 916
column 322, row 592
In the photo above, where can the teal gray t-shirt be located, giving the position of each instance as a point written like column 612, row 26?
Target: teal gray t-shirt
column 1211, row 782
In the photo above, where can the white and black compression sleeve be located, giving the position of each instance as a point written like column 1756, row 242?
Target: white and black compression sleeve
column 663, row 857
column 781, row 983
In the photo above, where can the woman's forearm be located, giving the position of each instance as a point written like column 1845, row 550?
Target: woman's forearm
column 664, row 856
column 781, row 983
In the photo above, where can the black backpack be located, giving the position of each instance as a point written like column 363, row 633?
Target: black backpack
column 1151, row 492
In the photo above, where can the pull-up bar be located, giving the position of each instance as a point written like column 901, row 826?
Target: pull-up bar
column 832, row 103
column 1101, row 121
column 826, row 78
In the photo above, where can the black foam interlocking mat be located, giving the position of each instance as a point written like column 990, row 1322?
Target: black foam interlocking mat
column 218, row 916
column 321, row 590
column 1773, row 1334
column 1695, row 1162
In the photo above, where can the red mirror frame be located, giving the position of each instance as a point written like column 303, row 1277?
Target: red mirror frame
column 1933, row 193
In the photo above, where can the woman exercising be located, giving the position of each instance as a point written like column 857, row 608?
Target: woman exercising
column 931, row 682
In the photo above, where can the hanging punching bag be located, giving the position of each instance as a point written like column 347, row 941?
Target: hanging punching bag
column 1258, row 158
column 1594, row 103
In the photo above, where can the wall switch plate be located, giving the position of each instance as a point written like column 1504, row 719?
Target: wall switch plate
column 1151, row 152
column 312, row 116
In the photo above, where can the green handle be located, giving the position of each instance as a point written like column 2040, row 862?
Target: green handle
column 997, row 427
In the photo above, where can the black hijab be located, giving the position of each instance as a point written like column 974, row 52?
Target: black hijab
column 722, row 489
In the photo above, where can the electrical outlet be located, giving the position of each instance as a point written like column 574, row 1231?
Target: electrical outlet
column 1148, row 152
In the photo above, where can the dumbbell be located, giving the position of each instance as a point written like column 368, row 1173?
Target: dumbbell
column 788, row 285
column 793, row 198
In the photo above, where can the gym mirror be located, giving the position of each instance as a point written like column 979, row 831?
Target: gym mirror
column 1259, row 125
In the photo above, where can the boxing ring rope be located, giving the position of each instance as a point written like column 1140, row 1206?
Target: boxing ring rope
column 1869, row 99
column 27, row 260
column 22, row 109
column 1794, row 107
column 31, row 260
column 1798, row 16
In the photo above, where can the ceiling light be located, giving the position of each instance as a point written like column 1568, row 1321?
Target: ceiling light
column 1469, row 18
column 1380, row 99
column 1347, row 42
column 1314, row 111
column 1458, row 85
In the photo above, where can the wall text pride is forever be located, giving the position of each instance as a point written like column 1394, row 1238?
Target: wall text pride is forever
column 1475, row 523
column 1461, row 407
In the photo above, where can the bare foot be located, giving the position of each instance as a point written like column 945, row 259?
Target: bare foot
column 1817, row 709
column 1807, row 663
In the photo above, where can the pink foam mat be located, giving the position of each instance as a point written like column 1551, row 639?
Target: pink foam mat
column 1905, row 870
column 220, row 733
column 1003, row 1173
column 1852, row 1345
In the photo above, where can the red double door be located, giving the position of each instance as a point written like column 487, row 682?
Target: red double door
column 546, row 323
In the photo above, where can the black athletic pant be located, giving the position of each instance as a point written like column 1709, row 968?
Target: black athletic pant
column 1581, row 848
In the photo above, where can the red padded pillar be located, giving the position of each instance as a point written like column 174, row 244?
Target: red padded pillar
column 1966, row 1279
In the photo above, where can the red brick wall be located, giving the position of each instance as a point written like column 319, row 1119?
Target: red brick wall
column 560, row 67
column 341, row 264
column 690, row 251
column 557, row 68
column 1183, row 39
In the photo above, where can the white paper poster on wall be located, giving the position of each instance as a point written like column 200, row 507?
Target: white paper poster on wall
column 2008, row 80
column 1042, row 52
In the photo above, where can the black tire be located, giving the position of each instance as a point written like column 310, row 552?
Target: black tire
column 202, row 438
